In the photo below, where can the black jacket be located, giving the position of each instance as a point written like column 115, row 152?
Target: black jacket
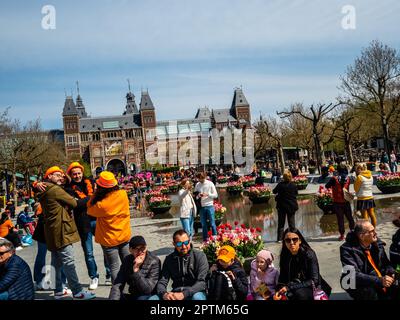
column 82, row 219
column 394, row 250
column 142, row 283
column 188, row 273
column 300, row 271
column 352, row 254
column 241, row 283
column 286, row 196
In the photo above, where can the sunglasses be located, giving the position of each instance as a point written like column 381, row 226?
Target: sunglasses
column 2, row 253
column 290, row 240
column 180, row 243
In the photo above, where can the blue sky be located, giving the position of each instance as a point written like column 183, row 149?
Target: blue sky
column 188, row 54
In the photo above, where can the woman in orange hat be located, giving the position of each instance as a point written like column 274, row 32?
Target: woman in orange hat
column 110, row 206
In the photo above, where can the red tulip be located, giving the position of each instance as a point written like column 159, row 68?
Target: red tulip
column 236, row 223
column 258, row 229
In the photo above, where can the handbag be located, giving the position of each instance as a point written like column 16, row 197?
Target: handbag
column 318, row 293
column 348, row 196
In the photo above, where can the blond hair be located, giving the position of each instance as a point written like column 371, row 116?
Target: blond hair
column 287, row 176
column 362, row 167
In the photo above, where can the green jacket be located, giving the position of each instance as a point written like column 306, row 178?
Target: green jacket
column 59, row 224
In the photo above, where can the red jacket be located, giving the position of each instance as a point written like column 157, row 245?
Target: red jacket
column 337, row 190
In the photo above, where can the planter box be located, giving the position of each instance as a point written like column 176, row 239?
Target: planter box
column 234, row 192
column 260, row 199
column 389, row 189
column 160, row 210
column 312, row 170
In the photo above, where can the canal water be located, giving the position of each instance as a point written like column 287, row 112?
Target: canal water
column 310, row 220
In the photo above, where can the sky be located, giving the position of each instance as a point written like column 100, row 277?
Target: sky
column 187, row 54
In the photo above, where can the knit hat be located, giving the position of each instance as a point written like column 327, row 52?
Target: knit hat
column 106, row 180
column 137, row 241
column 266, row 255
column 75, row 165
column 52, row 170
column 226, row 254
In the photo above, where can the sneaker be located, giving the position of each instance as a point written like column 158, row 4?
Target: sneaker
column 108, row 281
column 341, row 238
column 84, row 295
column 63, row 294
column 93, row 283
column 18, row 248
column 25, row 244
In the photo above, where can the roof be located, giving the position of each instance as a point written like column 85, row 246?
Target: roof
column 69, row 107
column 239, row 100
column 107, row 123
column 183, row 126
column 222, row 115
column 131, row 106
column 80, row 107
column 203, row 113
column 145, row 102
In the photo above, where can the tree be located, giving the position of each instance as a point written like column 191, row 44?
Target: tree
column 373, row 84
column 316, row 115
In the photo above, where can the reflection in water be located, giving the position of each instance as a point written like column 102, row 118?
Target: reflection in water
column 309, row 218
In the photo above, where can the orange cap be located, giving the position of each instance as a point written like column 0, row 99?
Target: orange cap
column 226, row 254
column 75, row 165
column 52, row 170
column 106, row 180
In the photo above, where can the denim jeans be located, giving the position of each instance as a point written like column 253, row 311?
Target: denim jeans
column 40, row 262
column 201, row 295
column 207, row 213
column 114, row 256
column 187, row 224
column 64, row 258
column 87, row 246
column 4, row 296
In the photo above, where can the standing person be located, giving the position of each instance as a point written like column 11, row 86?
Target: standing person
column 393, row 160
column 7, row 231
column 365, row 254
column 299, row 268
column 286, row 202
column 263, row 275
column 187, row 208
column 113, row 229
column 187, row 268
column 227, row 279
column 140, row 270
column 15, row 275
column 363, row 189
column 61, row 232
column 207, row 194
column 81, row 188
column 341, row 207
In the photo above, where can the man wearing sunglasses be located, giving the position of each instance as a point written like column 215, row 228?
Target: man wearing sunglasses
column 140, row 270
column 364, row 253
column 187, row 268
column 15, row 275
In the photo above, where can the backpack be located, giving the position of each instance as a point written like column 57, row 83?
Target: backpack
column 220, row 287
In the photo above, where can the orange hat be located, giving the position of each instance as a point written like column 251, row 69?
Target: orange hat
column 226, row 254
column 52, row 170
column 75, row 165
column 331, row 169
column 106, row 180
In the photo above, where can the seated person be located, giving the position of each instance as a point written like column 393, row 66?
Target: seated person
column 365, row 253
column 140, row 270
column 15, row 275
column 227, row 279
column 187, row 268
column 8, row 231
column 263, row 276
column 25, row 222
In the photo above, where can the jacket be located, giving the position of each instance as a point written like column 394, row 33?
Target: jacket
column 270, row 279
column 187, row 204
column 188, row 273
column 363, row 185
column 299, row 271
column 113, row 226
column 59, row 225
column 16, row 279
column 209, row 188
column 352, row 254
column 81, row 217
column 142, row 283
column 337, row 189
column 241, row 283
column 286, row 196
column 394, row 249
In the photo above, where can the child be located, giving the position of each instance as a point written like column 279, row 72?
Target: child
column 263, row 276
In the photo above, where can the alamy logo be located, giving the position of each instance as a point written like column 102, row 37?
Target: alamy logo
column 349, row 20
column 349, row 277
column 49, row 20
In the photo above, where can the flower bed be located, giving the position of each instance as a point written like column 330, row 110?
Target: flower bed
column 152, row 193
column 259, row 194
column 219, row 210
column 172, row 186
column 222, row 179
column 246, row 241
column 234, row 187
column 389, row 183
column 159, row 204
column 301, row 182
column 324, row 199
column 248, row 181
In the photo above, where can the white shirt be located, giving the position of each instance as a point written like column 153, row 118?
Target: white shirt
column 209, row 188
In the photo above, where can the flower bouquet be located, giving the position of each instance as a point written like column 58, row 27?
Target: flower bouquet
column 234, row 187
column 159, row 205
column 219, row 210
column 259, row 194
column 324, row 199
column 389, row 183
column 246, row 241
column 301, row 182
column 248, row 181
